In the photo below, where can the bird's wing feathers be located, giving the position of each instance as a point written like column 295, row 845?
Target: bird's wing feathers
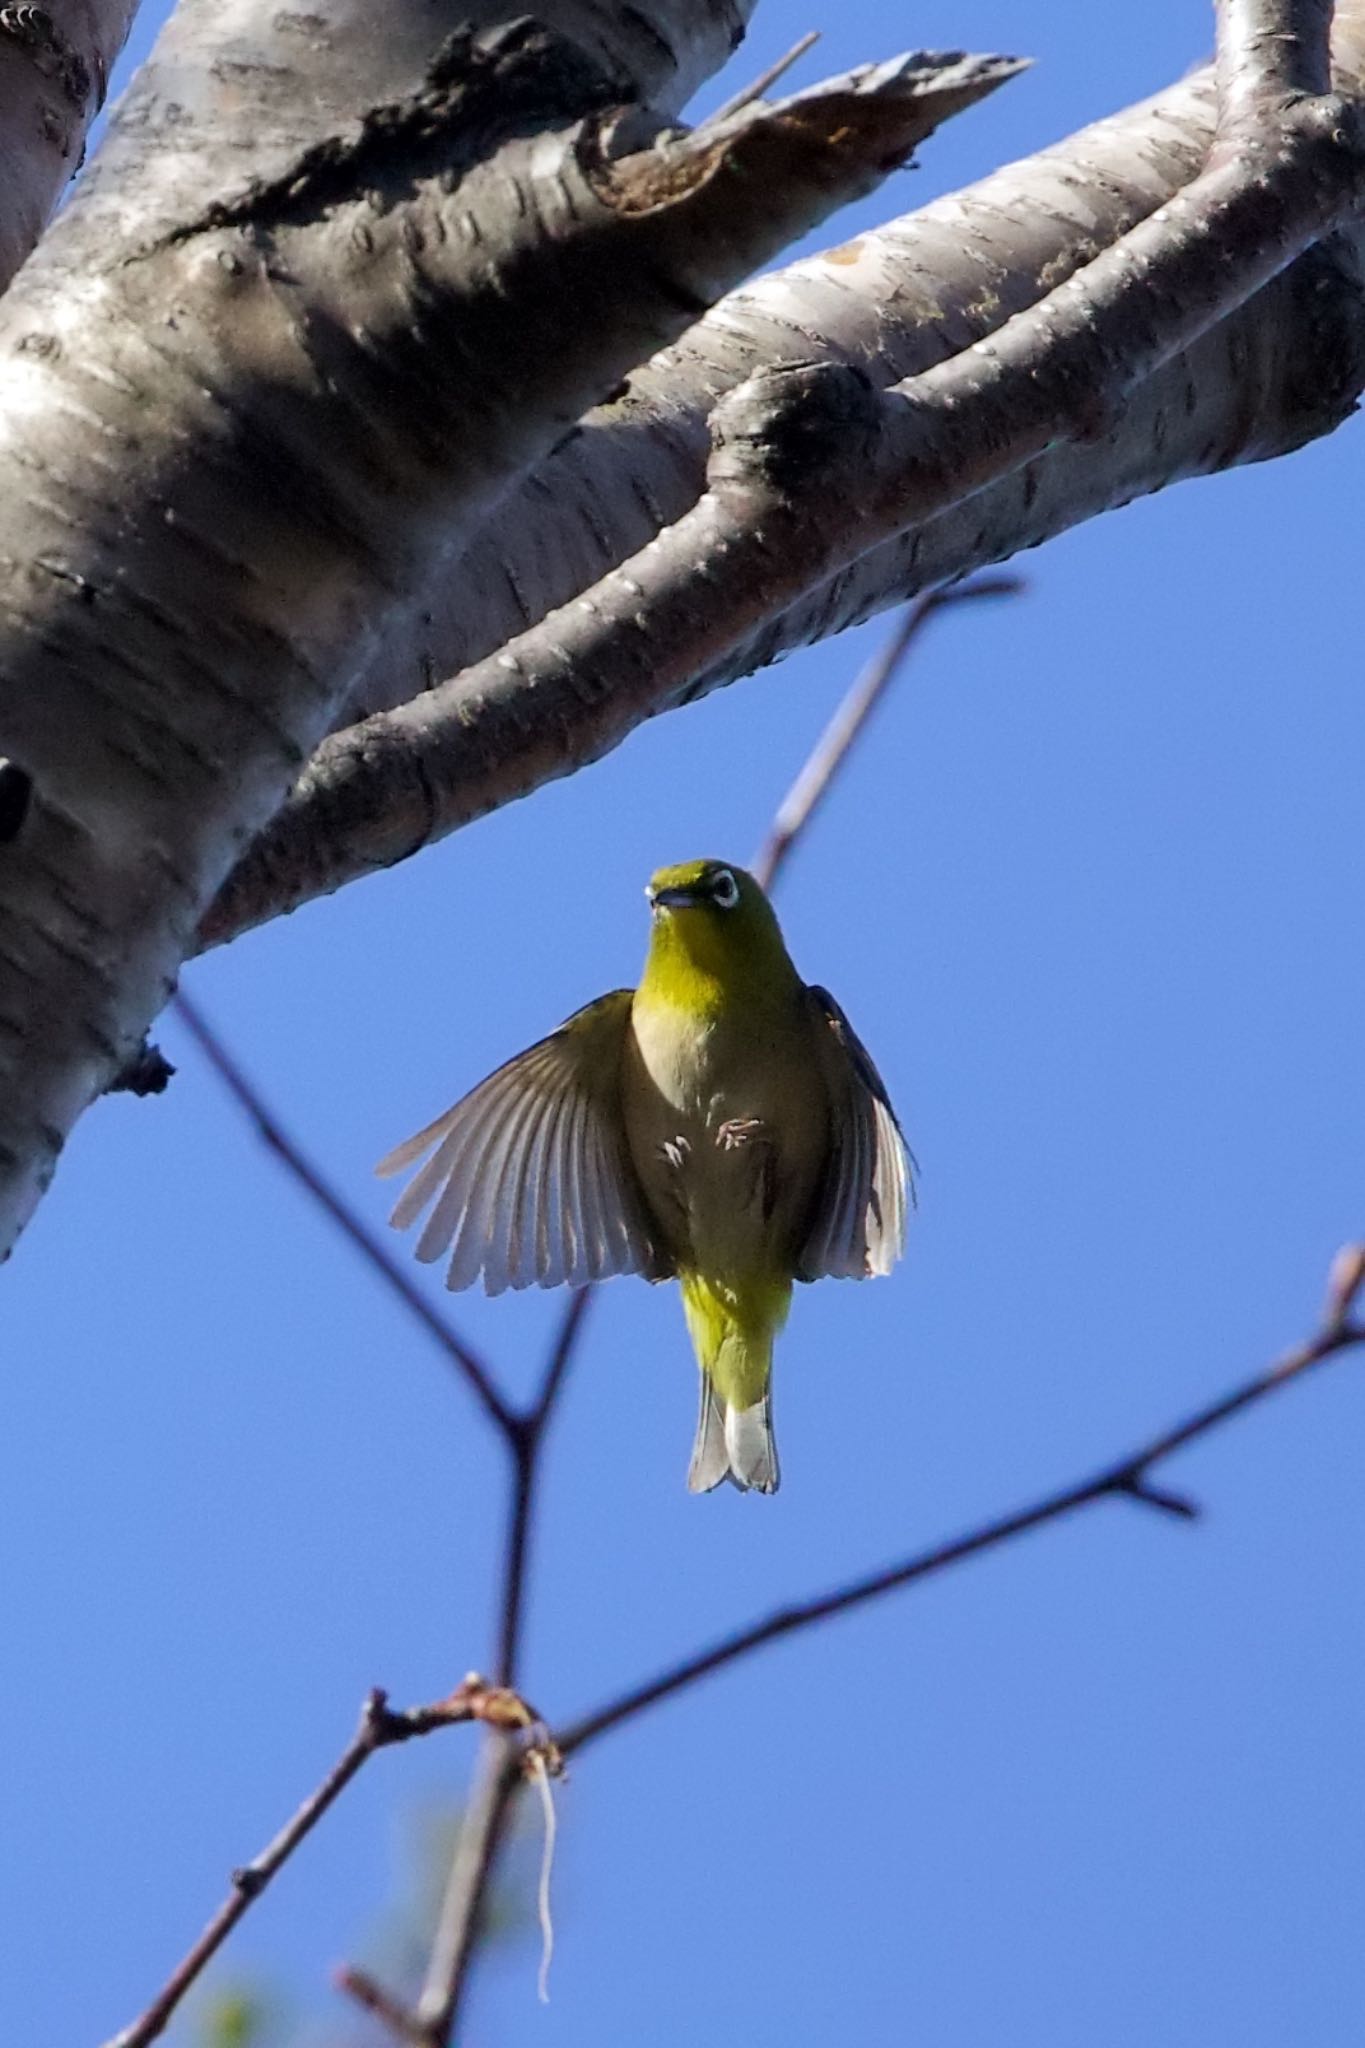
column 859, row 1223
column 530, row 1178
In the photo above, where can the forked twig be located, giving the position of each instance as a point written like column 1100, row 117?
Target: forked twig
column 1129, row 1479
column 381, row 1726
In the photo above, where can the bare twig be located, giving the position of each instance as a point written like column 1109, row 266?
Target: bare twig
column 766, row 79
column 380, row 1727
column 531, row 1431
column 811, row 786
column 311, row 1179
column 1129, row 1479
column 484, row 1825
column 476, row 1853
column 371, row 1996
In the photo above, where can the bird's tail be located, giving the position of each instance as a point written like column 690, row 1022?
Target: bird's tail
column 734, row 1344
column 733, row 1443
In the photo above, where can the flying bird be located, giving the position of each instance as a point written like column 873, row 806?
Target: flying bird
column 720, row 1125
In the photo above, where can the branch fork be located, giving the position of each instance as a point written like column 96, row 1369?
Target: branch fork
column 812, row 468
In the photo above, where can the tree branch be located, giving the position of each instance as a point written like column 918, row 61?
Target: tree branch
column 1270, row 50
column 380, row 1728
column 895, row 300
column 377, row 1257
column 810, row 469
column 1129, row 1479
column 812, row 785
column 530, row 1430
column 500, row 1764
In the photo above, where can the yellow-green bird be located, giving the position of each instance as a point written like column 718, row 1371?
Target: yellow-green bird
column 720, row 1124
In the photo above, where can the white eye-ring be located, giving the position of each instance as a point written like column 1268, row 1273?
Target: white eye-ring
column 724, row 889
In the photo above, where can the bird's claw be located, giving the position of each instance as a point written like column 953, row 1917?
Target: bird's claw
column 740, row 1130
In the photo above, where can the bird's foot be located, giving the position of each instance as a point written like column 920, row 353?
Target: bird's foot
column 674, row 1152
column 740, row 1130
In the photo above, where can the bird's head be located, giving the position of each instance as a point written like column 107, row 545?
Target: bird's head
column 714, row 918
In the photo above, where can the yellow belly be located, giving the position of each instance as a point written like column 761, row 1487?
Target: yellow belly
column 728, row 1124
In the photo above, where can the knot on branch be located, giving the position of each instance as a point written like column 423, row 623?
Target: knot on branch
column 145, row 1072
column 802, row 425
column 475, row 1698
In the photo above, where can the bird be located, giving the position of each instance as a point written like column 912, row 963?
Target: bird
column 720, row 1124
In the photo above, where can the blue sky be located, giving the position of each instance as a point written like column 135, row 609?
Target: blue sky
column 1091, row 896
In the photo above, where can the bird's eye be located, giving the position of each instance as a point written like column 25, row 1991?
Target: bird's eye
column 724, row 889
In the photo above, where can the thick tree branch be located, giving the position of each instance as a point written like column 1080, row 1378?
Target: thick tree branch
column 381, row 1726
column 721, row 587
column 1129, row 1479
column 895, row 301
column 1270, row 50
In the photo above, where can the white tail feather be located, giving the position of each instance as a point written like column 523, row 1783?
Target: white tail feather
column 710, row 1457
column 749, row 1443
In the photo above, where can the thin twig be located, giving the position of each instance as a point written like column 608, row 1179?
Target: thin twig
column 462, row 1910
column 530, row 1439
column 370, row 1995
column 1129, row 1479
column 811, row 786
column 380, row 1727
column 310, row 1178
column 484, row 1824
column 756, row 87
column 561, row 1356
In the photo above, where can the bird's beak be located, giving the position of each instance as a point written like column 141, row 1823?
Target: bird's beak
column 672, row 899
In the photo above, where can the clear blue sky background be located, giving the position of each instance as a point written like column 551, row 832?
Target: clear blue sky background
column 1092, row 896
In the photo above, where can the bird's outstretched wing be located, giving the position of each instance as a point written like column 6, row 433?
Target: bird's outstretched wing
column 859, row 1224
column 530, row 1176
